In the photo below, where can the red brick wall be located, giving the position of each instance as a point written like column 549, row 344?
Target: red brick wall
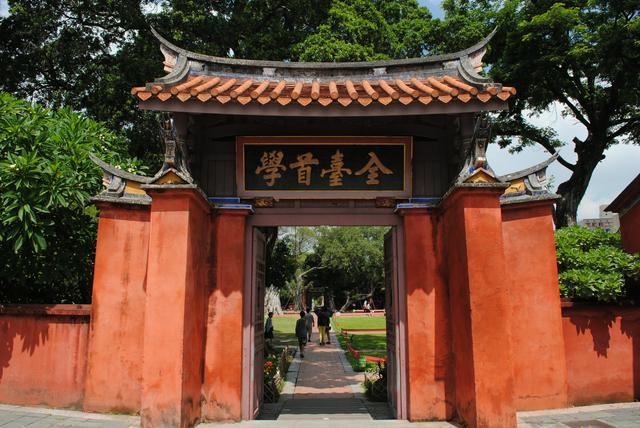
column 43, row 354
column 118, row 307
column 602, row 346
column 539, row 369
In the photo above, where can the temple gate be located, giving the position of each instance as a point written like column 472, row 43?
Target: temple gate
column 262, row 143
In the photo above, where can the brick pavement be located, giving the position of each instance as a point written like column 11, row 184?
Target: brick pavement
column 322, row 373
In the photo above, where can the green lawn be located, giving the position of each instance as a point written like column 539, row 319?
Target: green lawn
column 381, row 352
column 369, row 341
column 284, row 331
column 373, row 344
column 360, row 322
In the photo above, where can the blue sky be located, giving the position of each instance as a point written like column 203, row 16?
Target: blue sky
column 611, row 176
column 433, row 6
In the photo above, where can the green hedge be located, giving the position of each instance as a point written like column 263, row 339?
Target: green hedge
column 593, row 267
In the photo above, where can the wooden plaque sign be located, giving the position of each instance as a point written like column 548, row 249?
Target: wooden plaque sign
column 323, row 167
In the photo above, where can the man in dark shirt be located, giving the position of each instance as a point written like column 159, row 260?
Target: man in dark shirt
column 301, row 333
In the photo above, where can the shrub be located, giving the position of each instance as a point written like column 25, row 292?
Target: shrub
column 593, row 267
column 47, row 225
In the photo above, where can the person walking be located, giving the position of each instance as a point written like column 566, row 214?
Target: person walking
column 301, row 333
column 268, row 334
column 329, row 315
column 310, row 323
column 323, row 322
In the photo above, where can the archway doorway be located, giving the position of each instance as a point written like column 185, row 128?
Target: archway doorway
column 395, row 306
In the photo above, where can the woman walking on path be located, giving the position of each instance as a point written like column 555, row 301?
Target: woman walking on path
column 301, row 333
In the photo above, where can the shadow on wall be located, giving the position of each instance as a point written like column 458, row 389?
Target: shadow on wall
column 599, row 327
column 603, row 352
column 43, row 352
column 14, row 324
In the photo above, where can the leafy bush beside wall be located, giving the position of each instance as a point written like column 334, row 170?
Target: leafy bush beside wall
column 593, row 267
column 47, row 223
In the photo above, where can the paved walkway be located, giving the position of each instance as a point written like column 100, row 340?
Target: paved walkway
column 618, row 415
column 37, row 417
column 323, row 386
column 322, row 373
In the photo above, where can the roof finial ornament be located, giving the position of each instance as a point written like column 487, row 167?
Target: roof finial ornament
column 176, row 153
column 476, row 164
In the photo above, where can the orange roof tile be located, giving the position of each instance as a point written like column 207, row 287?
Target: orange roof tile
column 324, row 93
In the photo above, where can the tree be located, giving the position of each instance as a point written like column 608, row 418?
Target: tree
column 281, row 263
column 593, row 267
column 364, row 30
column 582, row 55
column 351, row 261
column 47, row 228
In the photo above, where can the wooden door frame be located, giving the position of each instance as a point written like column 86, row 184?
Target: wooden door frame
column 265, row 217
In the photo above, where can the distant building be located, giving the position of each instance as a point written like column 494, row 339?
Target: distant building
column 608, row 221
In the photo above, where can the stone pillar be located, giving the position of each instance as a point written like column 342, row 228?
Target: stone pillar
column 430, row 392
column 177, row 271
column 480, row 306
column 222, row 387
column 114, row 366
column 540, row 372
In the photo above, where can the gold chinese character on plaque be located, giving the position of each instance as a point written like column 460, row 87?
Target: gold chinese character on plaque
column 304, row 167
column 271, row 164
column 336, row 171
column 373, row 167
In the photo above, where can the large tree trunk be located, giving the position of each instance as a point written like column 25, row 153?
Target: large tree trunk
column 590, row 153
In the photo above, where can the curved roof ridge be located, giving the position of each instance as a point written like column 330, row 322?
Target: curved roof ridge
column 476, row 48
column 531, row 170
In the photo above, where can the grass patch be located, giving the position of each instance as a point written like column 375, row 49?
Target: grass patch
column 360, row 322
column 369, row 341
column 375, row 344
column 284, row 332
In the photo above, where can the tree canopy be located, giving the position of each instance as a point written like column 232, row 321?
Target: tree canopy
column 365, row 30
column 351, row 261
